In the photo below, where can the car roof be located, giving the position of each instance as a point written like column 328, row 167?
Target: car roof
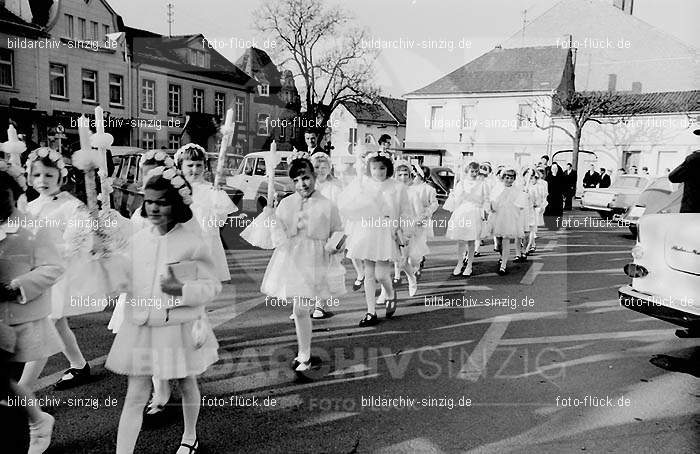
column 259, row 154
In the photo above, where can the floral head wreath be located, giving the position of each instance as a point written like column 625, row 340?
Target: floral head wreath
column 320, row 155
column 375, row 154
column 46, row 152
column 181, row 150
column 160, row 157
column 15, row 172
column 402, row 163
column 296, row 154
column 175, row 179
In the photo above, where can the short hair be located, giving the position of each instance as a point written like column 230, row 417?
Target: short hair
column 311, row 131
column 545, row 157
column 181, row 211
column 384, row 160
column 602, row 169
column 48, row 163
column 300, row 164
column 568, row 163
column 7, row 181
column 473, row 165
column 191, row 154
column 384, row 138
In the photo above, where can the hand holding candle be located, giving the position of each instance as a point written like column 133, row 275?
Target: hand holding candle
column 14, row 147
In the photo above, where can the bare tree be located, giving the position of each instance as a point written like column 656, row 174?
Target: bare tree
column 581, row 108
column 326, row 51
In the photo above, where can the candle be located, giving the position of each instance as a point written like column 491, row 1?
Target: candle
column 14, row 147
column 227, row 132
column 102, row 141
column 271, row 164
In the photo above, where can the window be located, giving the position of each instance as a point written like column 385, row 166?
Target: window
column 116, row 89
column 199, row 58
column 174, row 141
column 94, row 31
column 466, row 120
column 352, row 136
column 57, row 77
column 7, row 70
column 264, row 89
column 148, row 140
column 436, row 121
column 198, row 100
column 240, row 109
column 148, row 95
column 105, row 29
column 174, row 95
column 219, row 104
column 263, row 124
column 83, row 28
column 369, row 138
column 89, row 85
column 70, row 26
column 524, row 116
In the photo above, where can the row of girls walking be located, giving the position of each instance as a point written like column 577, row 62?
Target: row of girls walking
column 171, row 266
column 501, row 207
column 380, row 220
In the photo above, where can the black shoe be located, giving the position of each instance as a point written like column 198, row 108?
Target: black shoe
column 477, row 254
column 390, row 305
column 502, row 272
column 193, row 448
column 520, row 259
column 357, row 285
column 73, row 377
column 369, row 320
column 396, row 281
column 422, row 263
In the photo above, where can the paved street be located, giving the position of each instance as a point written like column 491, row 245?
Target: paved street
column 503, row 375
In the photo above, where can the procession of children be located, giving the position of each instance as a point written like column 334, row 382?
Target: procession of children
column 380, row 220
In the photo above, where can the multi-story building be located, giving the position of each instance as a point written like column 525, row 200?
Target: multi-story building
column 86, row 68
column 18, row 63
column 181, row 90
column 275, row 104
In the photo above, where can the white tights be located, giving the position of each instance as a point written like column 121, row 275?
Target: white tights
column 377, row 272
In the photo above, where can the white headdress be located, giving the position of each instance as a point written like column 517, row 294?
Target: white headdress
column 182, row 149
column 46, row 152
column 161, row 158
column 176, row 180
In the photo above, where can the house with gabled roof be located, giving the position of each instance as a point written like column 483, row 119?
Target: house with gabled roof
column 480, row 109
column 355, row 123
column 181, row 90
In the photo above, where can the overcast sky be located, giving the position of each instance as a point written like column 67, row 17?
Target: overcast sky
column 483, row 23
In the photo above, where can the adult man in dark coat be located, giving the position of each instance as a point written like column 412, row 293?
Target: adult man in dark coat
column 688, row 173
column 570, row 182
column 604, row 179
column 591, row 178
column 311, row 139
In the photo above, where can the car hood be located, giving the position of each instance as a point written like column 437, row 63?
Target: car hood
column 614, row 191
column 682, row 248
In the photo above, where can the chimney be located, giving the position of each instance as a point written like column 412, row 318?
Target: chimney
column 636, row 87
column 612, row 81
column 624, row 5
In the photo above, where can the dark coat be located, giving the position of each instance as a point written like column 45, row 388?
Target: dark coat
column 591, row 180
column 604, row 181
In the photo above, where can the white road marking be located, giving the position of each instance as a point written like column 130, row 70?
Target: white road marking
column 645, row 334
column 531, row 274
column 476, row 364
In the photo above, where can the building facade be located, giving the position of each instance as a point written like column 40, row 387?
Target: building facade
column 353, row 124
column 482, row 108
column 181, row 90
column 275, row 104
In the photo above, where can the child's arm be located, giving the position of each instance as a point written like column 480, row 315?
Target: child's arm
column 199, row 291
column 47, row 268
column 432, row 203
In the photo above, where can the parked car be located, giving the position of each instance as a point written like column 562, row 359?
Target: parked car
column 233, row 162
column 248, row 187
column 622, row 194
column 128, row 191
column 651, row 200
column 442, row 179
column 666, row 268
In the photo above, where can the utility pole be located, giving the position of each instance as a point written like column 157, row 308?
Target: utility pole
column 171, row 19
column 524, row 14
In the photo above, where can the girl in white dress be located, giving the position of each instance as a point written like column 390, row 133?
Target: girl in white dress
column 298, row 270
column 541, row 197
column 507, row 224
column 172, row 278
column 61, row 214
column 149, row 160
column 471, row 198
column 329, row 187
column 486, row 176
column 402, row 173
column 536, row 198
column 379, row 206
column 211, row 206
column 423, row 198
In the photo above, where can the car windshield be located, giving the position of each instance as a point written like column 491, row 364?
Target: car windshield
column 630, row 182
column 256, row 166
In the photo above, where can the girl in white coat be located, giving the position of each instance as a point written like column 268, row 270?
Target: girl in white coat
column 403, row 175
column 423, row 197
column 507, row 209
column 172, row 278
